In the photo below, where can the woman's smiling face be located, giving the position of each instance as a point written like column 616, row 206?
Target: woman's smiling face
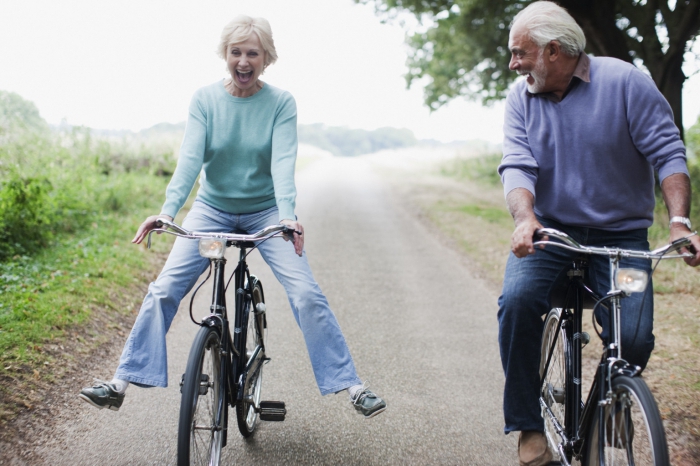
column 246, row 62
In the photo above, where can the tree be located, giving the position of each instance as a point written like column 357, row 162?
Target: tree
column 18, row 115
column 351, row 142
column 462, row 48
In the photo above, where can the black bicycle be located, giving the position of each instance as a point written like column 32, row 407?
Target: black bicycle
column 224, row 368
column 619, row 423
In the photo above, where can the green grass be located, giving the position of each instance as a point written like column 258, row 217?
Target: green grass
column 69, row 276
column 56, row 289
column 480, row 169
column 490, row 214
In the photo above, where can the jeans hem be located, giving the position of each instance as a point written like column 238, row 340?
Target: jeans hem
column 340, row 387
column 141, row 382
column 508, row 429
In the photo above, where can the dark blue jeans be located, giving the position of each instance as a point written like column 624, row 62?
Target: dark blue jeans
column 525, row 300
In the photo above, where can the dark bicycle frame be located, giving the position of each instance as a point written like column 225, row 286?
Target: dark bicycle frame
column 579, row 415
column 577, row 296
column 236, row 367
column 232, row 364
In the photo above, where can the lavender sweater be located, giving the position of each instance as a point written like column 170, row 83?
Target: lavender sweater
column 589, row 159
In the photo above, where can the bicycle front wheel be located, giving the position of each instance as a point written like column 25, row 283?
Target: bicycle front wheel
column 553, row 390
column 256, row 327
column 203, row 406
column 633, row 433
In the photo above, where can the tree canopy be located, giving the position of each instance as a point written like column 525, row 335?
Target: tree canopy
column 462, row 47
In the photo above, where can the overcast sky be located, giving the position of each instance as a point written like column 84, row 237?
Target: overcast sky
column 130, row 64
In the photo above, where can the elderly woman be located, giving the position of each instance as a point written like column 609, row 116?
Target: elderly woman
column 242, row 136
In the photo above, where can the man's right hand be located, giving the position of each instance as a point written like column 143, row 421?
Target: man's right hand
column 520, row 204
column 521, row 242
column 148, row 225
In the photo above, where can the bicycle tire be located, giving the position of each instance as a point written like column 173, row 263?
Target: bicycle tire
column 633, row 430
column 256, row 326
column 203, row 405
column 553, row 389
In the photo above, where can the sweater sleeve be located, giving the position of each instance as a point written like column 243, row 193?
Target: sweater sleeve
column 284, row 155
column 190, row 161
column 518, row 168
column 651, row 126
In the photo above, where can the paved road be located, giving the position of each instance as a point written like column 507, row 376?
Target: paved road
column 421, row 329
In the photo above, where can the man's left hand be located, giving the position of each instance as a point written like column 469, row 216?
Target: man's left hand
column 297, row 239
column 679, row 231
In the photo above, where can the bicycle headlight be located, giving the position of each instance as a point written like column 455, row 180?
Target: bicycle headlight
column 631, row 280
column 212, row 248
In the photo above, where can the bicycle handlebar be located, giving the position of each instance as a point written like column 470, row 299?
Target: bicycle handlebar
column 567, row 242
column 165, row 226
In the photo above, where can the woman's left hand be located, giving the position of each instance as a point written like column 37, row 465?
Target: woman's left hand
column 297, row 239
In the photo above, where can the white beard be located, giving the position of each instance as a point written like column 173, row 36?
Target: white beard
column 539, row 75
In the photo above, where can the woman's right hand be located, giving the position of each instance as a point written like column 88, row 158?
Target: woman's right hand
column 148, row 225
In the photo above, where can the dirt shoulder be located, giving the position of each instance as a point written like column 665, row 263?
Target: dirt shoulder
column 471, row 218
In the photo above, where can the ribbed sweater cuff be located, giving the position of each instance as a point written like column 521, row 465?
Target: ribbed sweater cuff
column 286, row 211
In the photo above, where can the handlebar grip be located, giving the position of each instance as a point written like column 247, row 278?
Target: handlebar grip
column 680, row 242
column 290, row 231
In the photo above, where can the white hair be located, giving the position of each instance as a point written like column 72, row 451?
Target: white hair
column 546, row 21
column 240, row 29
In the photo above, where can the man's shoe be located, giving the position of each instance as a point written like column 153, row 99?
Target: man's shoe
column 102, row 395
column 533, row 449
column 367, row 403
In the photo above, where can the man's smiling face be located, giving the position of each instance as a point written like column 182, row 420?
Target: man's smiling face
column 527, row 59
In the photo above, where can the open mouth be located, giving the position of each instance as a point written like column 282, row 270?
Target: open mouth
column 244, row 77
column 528, row 76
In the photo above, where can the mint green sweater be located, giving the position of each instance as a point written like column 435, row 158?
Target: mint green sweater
column 245, row 149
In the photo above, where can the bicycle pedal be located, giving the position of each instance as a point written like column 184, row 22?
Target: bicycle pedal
column 272, row 411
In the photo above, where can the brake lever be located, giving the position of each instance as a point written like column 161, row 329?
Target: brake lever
column 676, row 245
column 288, row 233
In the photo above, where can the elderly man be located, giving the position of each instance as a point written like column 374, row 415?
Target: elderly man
column 583, row 137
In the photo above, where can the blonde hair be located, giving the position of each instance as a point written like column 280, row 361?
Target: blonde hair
column 546, row 21
column 240, row 29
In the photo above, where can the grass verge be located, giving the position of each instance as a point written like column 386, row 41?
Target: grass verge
column 61, row 303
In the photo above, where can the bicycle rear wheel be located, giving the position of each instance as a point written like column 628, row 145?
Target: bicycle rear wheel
column 203, row 406
column 553, row 390
column 256, row 326
column 633, row 433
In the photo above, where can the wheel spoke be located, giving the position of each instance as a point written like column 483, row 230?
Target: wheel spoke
column 200, row 443
column 633, row 431
column 255, row 329
column 553, row 390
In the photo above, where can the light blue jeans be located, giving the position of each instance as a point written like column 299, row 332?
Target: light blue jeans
column 144, row 359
